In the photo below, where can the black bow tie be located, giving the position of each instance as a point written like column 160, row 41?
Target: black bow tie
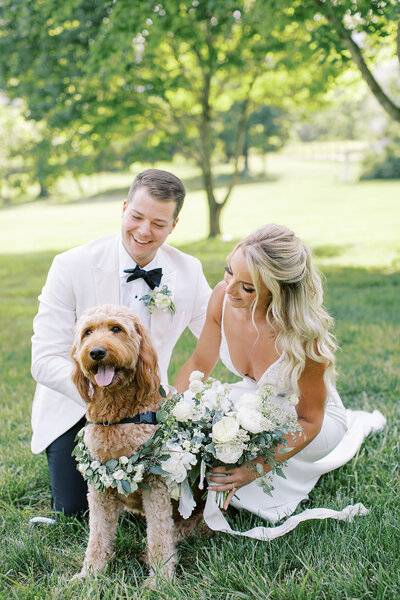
column 152, row 277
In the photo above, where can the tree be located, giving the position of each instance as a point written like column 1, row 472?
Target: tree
column 353, row 32
column 153, row 71
column 265, row 131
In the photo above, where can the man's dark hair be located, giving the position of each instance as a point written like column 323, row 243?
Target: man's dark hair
column 162, row 185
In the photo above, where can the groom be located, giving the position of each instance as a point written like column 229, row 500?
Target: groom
column 94, row 274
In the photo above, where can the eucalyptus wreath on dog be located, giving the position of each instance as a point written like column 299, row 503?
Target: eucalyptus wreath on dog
column 126, row 474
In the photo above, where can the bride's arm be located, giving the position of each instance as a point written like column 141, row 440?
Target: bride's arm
column 310, row 414
column 206, row 352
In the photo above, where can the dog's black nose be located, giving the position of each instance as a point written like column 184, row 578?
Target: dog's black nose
column 97, row 353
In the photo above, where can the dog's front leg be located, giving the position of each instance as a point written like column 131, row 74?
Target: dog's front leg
column 160, row 530
column 104, row 510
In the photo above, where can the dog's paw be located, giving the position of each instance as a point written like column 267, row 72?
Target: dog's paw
column 150, row 583
column 79, row 576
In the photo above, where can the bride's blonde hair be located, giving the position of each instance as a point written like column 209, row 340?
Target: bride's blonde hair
column 278, row 260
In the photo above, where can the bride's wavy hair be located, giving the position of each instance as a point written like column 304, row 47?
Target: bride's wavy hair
column 278, row 260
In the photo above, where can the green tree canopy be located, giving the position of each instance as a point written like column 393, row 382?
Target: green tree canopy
column 120, row 75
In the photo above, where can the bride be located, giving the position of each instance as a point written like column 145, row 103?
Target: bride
column 267, row 323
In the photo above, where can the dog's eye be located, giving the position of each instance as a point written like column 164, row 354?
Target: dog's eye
column 88, row 332
column 116, row 329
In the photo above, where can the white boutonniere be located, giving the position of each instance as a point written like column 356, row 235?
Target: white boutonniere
column 160, row 298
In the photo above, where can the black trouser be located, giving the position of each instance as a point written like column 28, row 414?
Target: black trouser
column 68, row 488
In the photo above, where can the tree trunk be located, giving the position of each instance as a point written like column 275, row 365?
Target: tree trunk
column 214, row 209
column 44, row 192
column 214, row 215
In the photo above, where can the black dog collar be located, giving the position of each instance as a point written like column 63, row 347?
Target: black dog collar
column 149, row 418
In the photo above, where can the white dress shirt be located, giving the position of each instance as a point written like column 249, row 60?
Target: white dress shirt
column 130, row 293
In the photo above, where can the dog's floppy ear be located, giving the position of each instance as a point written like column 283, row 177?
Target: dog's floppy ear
column 83, row 385
column 147, row 373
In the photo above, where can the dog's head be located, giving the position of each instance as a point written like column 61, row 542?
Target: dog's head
column 111, row 350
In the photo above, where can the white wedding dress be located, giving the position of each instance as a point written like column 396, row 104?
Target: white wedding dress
column 341, row 435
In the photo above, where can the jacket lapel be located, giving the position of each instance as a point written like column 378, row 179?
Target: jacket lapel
column 106, row 274
column 107, row 286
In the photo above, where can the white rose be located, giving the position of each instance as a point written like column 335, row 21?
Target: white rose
column 293, row 400
column 178, row 464
column 139, row 473
column 225, row 430
column 228, row 453
column 95, row 464
column 252, row 420
column 196, row 386
column 83, row 466
column 162, row 301
column 123, row 460
column 196, row 375
column 118, row 475
column 249, row 401
column 183, row 410
column 175, row 468
column 106, row 480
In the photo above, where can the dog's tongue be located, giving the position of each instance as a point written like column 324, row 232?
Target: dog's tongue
column 104, row 375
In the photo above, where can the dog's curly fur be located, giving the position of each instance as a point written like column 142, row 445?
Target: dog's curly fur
column 133, row 389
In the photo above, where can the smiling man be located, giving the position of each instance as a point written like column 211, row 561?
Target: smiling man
column 118, row 269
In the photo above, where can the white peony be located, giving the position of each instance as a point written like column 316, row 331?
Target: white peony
column 249, row 401
column 196, row 386
column 225, row 430
column 195, row 375
column 162, row 301
column 118, row 475
column 183, row 410
column 252, row 420
column 228, row 453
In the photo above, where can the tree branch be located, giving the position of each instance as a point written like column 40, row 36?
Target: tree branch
column 241, row 131
column 357, row 56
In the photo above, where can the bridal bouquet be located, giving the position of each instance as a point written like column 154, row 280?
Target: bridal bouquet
column 206, row 427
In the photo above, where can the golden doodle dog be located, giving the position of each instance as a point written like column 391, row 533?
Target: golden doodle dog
column 116, row 373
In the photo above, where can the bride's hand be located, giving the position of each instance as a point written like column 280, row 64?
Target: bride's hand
column 233, row 479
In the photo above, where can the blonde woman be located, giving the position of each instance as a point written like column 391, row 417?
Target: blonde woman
column 267, row 323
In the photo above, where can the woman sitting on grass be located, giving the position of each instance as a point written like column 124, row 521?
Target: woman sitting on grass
column 267, row 323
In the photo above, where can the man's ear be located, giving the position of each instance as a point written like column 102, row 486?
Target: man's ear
column 125, row 204
column 174, row 223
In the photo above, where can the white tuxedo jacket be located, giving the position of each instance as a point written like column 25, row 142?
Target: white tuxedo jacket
column 84, row 277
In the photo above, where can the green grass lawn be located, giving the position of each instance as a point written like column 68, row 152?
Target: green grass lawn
column 354, row 232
